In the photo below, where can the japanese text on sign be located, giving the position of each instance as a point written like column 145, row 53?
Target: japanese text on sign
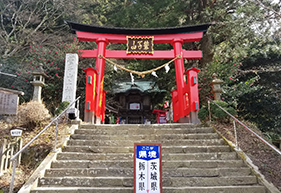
column 148, row 168
column 134, row 106
column 139, row 44
column 16, row 132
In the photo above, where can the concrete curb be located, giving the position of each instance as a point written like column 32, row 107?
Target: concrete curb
column 270, row 188
column 46, row 164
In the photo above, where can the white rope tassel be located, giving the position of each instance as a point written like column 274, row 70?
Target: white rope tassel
column 115, row 68
column 167, row 68
column 132, row 78
column 154, row 74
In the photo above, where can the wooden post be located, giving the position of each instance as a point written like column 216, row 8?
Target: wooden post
column 7, row 156
column 2, row 157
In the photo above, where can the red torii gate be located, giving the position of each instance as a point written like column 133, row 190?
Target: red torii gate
column 175, row 36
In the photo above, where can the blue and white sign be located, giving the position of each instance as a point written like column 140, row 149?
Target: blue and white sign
column 148, row 177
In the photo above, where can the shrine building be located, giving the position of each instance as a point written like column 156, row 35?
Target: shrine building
column 135, row 104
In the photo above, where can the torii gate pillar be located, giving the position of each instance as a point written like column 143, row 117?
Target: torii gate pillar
column 100, row 62
column 179, row 67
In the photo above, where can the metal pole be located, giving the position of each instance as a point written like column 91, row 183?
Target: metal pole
column 14, row 158
column 55, row 148
column 44, row 129
column 13, row 175
column 78, row 110
column 209, row 109
column 235, row 134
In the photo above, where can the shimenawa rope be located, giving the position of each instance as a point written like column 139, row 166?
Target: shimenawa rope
column 143, row 73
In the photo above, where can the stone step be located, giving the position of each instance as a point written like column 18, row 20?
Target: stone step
column 129, row 172
column 141, row 126
column 205, row 189
column 130, row 164
column 130, row 156
column 169, row 149
column 124, row 143
column 128, row 181
column 158, row 131
column 146, row 137
column 100, row 159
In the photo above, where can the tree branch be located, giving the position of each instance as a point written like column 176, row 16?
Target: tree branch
column 259, row 3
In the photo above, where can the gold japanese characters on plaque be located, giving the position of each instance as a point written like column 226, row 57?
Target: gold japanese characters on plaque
column 140, row 45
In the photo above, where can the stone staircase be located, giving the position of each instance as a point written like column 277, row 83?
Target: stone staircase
column 99, row 159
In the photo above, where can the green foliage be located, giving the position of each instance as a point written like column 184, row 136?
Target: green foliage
column 216, row 113
column 272, row 136
column 219, row 114
column 232, row 92
column 63, row 105
column 203, row 113
column 256, row 88
column 251, row 82
column 262, row 108
column 225, row 70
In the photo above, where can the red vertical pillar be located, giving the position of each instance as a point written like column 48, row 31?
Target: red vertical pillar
column 176, row 114
column 179, row 67
column 193, row 95
column 100, row 62
column 157, row 118
column 90, row 95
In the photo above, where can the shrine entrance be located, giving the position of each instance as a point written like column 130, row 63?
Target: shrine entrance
column 140, row 46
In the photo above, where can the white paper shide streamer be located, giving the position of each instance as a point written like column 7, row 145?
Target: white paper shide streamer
column 167, row 68
column 154, row 74
column 132, row 78
column 115, row 68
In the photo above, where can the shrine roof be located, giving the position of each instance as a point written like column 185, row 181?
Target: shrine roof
column 142, row 86
column 10, row 91
column 137, row 31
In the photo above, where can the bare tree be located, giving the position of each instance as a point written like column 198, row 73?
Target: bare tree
column 25, row 22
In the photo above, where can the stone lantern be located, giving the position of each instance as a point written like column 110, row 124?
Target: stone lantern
column 216, row 87
column 38, row 82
